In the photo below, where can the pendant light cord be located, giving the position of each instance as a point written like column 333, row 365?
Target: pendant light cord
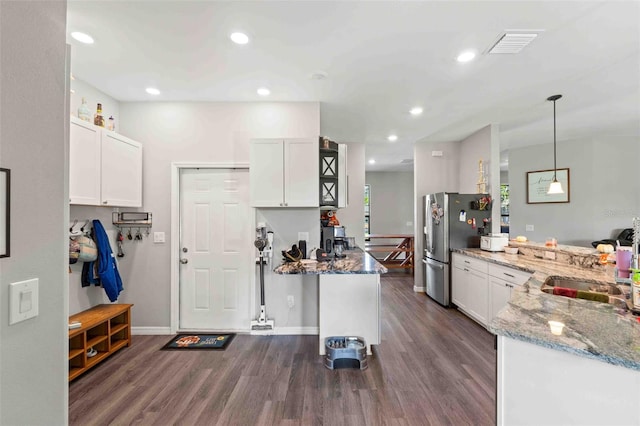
column 555, row 168
column 554, row 98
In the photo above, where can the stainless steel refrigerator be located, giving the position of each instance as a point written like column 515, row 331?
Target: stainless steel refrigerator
column 451, row 221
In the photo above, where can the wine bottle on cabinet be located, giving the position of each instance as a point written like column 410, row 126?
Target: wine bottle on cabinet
column 98, row 119
column 83, row 111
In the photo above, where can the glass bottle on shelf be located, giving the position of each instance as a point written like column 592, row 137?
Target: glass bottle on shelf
column 83, row 111
column 98, row 119
column 111, row 125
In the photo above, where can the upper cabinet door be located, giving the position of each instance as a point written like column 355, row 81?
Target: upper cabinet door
column 121, row 171
column 301, row 173
column 266, row 165
column 84, row 163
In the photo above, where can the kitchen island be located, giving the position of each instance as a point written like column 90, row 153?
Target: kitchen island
column 587, row 374
column 349, row 295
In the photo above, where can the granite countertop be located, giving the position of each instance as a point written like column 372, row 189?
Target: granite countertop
column 594, row 330
column 355, row 262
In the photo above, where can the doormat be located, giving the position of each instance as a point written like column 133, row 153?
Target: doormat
column 199, row 341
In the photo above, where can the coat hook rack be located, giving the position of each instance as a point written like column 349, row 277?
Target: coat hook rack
column 132, row 219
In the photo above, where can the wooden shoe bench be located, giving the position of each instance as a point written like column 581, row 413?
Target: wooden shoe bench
column 106, row 328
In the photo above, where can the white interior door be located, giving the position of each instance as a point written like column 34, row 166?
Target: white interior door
column 215, row 249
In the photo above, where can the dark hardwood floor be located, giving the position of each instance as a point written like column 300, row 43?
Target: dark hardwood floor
column 434, row 366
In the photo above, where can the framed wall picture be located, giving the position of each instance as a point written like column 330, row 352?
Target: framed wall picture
column 538, row 183
column 5, row 186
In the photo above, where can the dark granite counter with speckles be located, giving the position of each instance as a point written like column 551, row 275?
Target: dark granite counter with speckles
column 594, row 330
column 355, row 262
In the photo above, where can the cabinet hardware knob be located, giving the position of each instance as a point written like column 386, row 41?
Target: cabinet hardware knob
column 184, row 261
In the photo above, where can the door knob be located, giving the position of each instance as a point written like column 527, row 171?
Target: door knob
column 184, row 261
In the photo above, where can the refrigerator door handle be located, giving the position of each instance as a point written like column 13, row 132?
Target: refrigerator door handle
column 435, row 265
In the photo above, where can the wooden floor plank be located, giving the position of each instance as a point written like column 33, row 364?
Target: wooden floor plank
column 433, row 366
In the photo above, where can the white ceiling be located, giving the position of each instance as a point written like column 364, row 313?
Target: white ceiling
column 381, row 59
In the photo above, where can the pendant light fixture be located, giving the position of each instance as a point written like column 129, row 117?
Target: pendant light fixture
column 555, row 187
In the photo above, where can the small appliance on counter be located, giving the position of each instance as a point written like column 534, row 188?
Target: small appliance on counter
column 494, row 242
column 331, row 234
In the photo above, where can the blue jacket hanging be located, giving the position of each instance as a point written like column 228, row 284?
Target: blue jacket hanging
column 106, row 267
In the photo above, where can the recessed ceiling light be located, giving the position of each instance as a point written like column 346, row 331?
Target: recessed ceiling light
column 392, row 138
column 372, row 161
column 416, row 111
column 82, row 37
column 239, row 38
column 263, row 91
column 152, row 91
column 466, row 56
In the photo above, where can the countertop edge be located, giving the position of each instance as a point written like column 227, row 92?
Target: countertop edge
column 529, row 295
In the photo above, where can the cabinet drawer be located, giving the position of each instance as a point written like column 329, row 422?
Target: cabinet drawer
column 512, row 276
column 461, row 261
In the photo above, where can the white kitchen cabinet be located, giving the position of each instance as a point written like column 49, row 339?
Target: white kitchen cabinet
column 84, row 163
column 470, row 287
column 105, row 168
column 502, row 281
column 459, row 286
column 480, row 289
column 284, row 173
column 121, row 171
column 499, row 295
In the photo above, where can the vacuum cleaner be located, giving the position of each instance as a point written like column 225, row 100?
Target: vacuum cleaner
column 262, row 325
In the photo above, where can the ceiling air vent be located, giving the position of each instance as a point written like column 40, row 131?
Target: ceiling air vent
column 511, row 43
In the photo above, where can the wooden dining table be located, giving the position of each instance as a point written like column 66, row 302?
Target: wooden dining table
column 392, row 250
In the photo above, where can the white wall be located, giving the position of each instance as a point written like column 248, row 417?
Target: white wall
column 34, row 145
column 81, row 298
column 352, row 217
column 604, row 189
column 431, row 174
column 391, row 202
column 455, row 171
column 482, row 145
column 93, row 96
column 196, row 132
column 472, row 149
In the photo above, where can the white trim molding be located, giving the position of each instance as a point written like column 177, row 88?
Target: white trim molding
column 419, row 289
column 287, row 331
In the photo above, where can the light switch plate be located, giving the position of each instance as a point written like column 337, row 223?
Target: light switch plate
column 529, row 228
column 158, row 237
column 23, row 300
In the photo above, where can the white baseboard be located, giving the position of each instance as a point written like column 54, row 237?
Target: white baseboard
column 285, row 331
column 419, row 289
column 297, row 331
column 148, row 331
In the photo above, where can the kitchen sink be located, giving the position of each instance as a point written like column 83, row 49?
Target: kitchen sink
column 615, row 295
column 609, row 289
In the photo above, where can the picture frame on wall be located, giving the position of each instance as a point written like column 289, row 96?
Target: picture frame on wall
column 538, row 182
column 5, row 204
